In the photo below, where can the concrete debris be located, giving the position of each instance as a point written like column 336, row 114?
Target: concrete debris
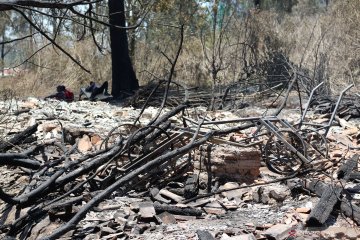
column 341, row 233
column 279, row 231
column 146, row 210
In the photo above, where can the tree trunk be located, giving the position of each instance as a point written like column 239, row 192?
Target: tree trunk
column 2, row 61
column 131, row 37
column 123, row 75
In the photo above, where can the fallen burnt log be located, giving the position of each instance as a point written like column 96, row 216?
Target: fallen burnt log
column 159, row 208
column 18, row 160
column 346, row 169
column 351, row 210
column 330, row 196
column 15, row 140
column 191, row 186
column 321, row 212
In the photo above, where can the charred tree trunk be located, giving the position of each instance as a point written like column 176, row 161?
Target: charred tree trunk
column 2, row 61
column 123, row 75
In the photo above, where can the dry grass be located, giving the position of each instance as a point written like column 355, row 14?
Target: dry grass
column 325, row 44
column 56, row 69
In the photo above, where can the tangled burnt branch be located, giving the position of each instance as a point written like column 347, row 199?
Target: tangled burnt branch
column 147, row 155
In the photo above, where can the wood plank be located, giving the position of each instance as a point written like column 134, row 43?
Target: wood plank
column 350, row 210
column 346, row 169
column 99, row 97
column 159, row 208
column 322, row 210
column 172, row 196
column 191, row 186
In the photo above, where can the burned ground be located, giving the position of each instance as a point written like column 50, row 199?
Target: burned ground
column 96, row 170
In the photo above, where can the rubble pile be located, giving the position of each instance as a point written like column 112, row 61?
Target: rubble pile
column 94, row 170
column 349, row 107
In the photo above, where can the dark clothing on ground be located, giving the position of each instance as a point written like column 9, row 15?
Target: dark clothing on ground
column 91, row 87
column 95, row 90
column 58, row 96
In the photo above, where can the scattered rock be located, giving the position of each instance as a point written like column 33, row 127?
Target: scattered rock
column 278, row 231
column 303, row 210
column 341, row 233
column 261, row 195
column 84, row 144
column 249, row 236
column 204, row 235
column 146, row 210
column 166, row 218
column 277, row 195
column 95, row 139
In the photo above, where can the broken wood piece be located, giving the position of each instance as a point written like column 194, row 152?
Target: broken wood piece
column 6, row 145
column 322, row 210
column 159, row 198
column 346, row 169
column 354, row 175
column 154, row 193
column 159, row 208
column 20, row 111
column 330, row 195
column 350, row 210
column 172, row 196
column 177, row 191
column 191, row 186
column 18, row 160
column 315, row 186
